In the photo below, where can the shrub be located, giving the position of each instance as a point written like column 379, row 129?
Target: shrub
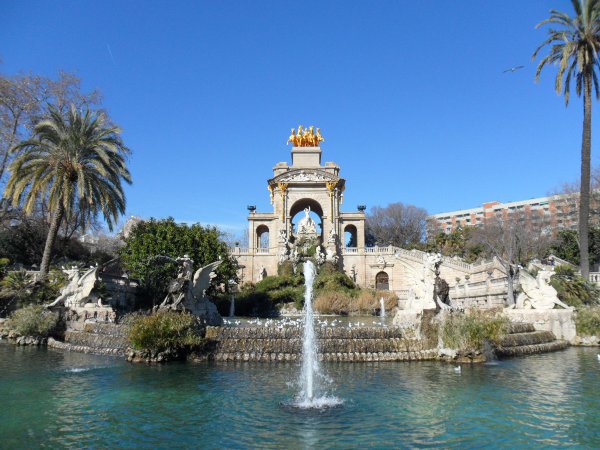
column 165, row 330
column 572, row 288
column 3, row 266
column 345, row 302
column 468, row 331
column 286, row 268
column 33, row 320
column 333, row 302
column 273, row 283
column 587, row 321
column 15, row 290
column 368, row 301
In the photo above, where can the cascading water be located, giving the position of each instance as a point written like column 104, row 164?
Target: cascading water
column 382, row 308
column 232, row 306
column 310, row 394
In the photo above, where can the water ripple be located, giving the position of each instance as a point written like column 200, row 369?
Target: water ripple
column 54, row 399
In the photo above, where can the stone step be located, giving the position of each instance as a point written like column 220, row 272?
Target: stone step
column 528, row 338
column 53, row 343
column 220, row 333
column 520, row 327
column 532, row 349
column 100, row 341
column 341, row 356
column 109, row 329
column 324, row 345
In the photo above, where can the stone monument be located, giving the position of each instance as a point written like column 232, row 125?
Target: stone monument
column 188, row 292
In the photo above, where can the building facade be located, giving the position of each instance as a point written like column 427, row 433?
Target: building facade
column 556, row 212
column 307, row 189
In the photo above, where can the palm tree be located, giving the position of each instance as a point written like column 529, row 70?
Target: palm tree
column 574, row 48
column 74, row 160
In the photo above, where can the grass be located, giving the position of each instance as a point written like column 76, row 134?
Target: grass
column 164, row 330
column 467, row 332
column 33, row 320
column 587, row 321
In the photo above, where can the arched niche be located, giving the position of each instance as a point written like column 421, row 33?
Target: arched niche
column 262, row 237
column 382, row 281
column 350, row 236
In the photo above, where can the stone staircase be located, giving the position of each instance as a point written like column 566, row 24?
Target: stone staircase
column 334, row 344
column 523, row 339
column 98, row 338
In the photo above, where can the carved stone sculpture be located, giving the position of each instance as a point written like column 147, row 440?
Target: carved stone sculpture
column 78, row 289
column 307, row 225
column 538, row 293
column 188, row 292
column 331, row 254
column 79, row 300
column 262, row 273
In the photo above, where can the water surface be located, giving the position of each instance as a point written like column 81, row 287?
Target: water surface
column 55, row 399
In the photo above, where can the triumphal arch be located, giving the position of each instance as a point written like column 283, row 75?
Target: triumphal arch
column 307, row 221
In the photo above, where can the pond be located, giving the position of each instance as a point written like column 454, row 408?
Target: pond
column 56, row 399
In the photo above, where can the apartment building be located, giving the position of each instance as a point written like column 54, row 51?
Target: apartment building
column 556, row 212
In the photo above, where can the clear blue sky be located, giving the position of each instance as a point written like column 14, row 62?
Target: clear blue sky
column 410, row 96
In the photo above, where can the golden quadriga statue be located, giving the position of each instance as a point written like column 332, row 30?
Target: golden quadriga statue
column 306, row 137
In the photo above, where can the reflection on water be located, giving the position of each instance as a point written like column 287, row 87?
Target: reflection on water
column 56, row 399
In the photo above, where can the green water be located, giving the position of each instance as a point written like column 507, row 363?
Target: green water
column 54, row 399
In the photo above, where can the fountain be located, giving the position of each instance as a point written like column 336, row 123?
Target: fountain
column 382, row 308
column 310, row 395
column 232, row 306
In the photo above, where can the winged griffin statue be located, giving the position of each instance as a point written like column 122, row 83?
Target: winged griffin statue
column 188, row 291
column 422, row 277
column 78, row 290
column 538, row 293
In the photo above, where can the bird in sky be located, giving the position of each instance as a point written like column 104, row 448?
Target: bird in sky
column 513, row 69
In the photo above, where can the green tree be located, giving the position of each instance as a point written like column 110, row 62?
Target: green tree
column 574, row 46
column 566, row 246
column 151, row 246
column 459, row 242
column 74, row 161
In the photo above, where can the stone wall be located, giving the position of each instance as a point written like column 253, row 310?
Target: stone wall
column 558, row 321
column 334, row 344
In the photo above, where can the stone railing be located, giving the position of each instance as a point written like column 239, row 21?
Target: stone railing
column 237, row 251
column 595, row 278
column 482, row 294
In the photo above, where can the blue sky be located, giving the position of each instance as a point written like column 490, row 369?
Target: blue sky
column 410, row 96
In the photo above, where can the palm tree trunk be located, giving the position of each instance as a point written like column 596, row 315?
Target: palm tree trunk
column 56, row 220
column 584, row 196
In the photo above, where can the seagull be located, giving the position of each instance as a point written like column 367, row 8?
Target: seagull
column 513, row 69
column 598, row 356
column 457, row 369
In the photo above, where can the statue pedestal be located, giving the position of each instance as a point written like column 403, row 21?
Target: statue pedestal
column 559, row 321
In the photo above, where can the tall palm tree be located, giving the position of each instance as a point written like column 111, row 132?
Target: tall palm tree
column 574, row 48
column 73, row 160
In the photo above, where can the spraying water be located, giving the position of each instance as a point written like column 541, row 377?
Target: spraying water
column 382, row 308
column 310, row 362
column 310, row 395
